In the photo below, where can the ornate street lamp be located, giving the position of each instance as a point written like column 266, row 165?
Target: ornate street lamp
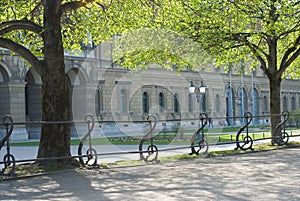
column 202, row 88
column 192, row 88
column 199, row 92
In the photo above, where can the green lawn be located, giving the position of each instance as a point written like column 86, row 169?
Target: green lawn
column 214, row 135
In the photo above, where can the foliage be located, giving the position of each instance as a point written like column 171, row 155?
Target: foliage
column 189, row 33
column 40, row 31
column 294, row 116
column 240, row 32
column 183, row 33
column 23, row 24
column 142, row 47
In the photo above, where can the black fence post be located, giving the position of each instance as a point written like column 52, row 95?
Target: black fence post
column 246, row 142
column 8, row 159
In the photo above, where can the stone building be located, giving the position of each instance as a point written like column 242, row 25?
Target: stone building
column 110, row 93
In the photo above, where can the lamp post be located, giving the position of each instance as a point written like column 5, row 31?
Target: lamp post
column 199, row 92
column 200, row 95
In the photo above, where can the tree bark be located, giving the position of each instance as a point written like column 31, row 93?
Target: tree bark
column 275, row 108
column 55, row 137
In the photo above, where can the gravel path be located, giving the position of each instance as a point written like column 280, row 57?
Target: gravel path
column 271, row 175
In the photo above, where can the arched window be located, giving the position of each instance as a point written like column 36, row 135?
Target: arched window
column 203, row 103
column 26, row 99
column 265, row 105
column 123, row 101
column 242, row 103
column 293, row 103
column 285, row 103
column 145, row 100
column 230, row 107
column 99, row 100
column 191, row 103
column 161, row 101
column 176, row 103
column 217, row 103
column 254, row 105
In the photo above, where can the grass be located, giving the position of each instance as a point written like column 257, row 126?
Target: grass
column 95, row 141
column 162, row 138
column 30, row 169
column 260, row 147
column 35, row 143
column 254, row 136
column 141, row 162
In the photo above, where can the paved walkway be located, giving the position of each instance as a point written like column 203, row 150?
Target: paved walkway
column 271, row 175
column 30, row 152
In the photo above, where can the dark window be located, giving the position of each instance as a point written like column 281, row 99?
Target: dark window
column 123, row 103
column 176, row 104
column 145, row 102
column 161, row 102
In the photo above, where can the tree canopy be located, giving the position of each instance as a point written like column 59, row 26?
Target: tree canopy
column 232, row 31
column 254, row 34
column 40, row 30
column 261, row 33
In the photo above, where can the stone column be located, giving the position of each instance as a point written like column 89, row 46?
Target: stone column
column 4, row 100
column 78, row 102
column 34, row 110
column 17, row 110
column 91, row 90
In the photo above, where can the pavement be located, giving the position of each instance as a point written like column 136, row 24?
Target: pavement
column 269, row 175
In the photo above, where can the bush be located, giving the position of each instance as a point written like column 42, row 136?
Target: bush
column 294, row 117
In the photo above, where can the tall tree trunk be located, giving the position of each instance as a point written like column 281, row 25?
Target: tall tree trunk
column 275, row 110
column 55, row 138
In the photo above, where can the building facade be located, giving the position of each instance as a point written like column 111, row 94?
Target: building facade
column 110, row 93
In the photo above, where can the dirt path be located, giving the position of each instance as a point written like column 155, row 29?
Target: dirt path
column 272, row 175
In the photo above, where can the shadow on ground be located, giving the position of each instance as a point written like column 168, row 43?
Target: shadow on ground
column 271, row 175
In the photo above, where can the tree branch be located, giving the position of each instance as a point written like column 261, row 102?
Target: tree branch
column 290, row 51
column 254, row 48
column 35, row 11
column 257, row 49
column 286, row 64
column 9, row 26
column 294, row 29
column 251, row 9
column 23, row 52
column 70, row 6
column 242, row 39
